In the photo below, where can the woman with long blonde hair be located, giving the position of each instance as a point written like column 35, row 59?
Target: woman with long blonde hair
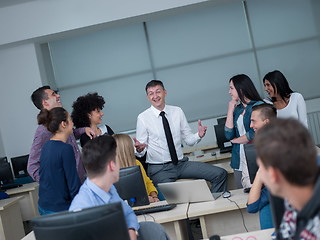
column 127, row 158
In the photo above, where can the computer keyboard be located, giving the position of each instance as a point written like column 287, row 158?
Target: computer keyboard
column 10, row 186
column 225, row 150
column 154, row 209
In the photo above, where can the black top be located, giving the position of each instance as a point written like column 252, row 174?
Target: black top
column 84, row 138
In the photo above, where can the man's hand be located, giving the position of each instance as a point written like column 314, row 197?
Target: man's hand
column 90, row 132
column 202, row 129
column 132, row 234
column 139, row 146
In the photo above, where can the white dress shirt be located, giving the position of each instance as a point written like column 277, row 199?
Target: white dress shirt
column 151, row 132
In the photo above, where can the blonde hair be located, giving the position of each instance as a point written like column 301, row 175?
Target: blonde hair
column 125, row 150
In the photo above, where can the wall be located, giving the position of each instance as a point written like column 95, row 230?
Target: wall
column 19, row 77
column 24, row 24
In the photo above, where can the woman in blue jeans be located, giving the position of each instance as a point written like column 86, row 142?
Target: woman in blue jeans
column 59, row 180
column 244, row 96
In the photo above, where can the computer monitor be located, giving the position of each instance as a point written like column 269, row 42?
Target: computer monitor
column 131, row 186
column 277, row 210
column 102, row 222
column 222, row 121
column 251, row 158
column 19, row 165
column 6, row 176
column 3, row 160
column 223, row 143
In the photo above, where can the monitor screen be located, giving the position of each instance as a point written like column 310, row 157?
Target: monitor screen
column 6, row 176
column 251, row 158
column 131, row 186
column 101, row 222
column 222, row 121
column 222, row 141
column 19, row 165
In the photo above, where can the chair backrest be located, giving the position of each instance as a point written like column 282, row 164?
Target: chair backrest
column 101, row 222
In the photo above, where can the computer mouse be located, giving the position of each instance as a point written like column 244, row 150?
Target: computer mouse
column 226, row 194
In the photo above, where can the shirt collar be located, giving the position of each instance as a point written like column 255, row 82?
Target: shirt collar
column 98, row 191
column 156, row 112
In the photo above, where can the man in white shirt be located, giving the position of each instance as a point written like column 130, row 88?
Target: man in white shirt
column 151, row 138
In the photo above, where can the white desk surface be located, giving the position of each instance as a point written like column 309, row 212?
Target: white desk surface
column 198, row 147
column 5, row 203
column 207, row 157
column 24, row 188
column 175, row 214
column 260, row 235
column 219, row 205
column 30, row 236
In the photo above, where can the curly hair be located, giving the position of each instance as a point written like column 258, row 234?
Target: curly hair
column 83, row 106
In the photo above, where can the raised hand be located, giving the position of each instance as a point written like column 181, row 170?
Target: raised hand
column 202, row 129
column 138, row 145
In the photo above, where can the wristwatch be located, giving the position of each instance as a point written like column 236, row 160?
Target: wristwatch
column 135, row 230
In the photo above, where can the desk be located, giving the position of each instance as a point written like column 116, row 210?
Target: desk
column 30, row 236
column 223, row 217
column 220, row 160
column 261, row 235
column 188, row 150
column 29, row 204
column 208, row 158
column 172, row 221
column 11, row 225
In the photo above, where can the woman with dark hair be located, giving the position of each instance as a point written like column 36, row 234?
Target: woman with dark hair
column 59, row 180
column 87, row 112
column 289, row 104
column 237, row 127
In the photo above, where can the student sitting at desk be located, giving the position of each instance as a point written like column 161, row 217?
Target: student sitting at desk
column 87, row 112
column 59, row 180
column 102, row 164
column 125, row 152
column 258, row 199
column 288, row 166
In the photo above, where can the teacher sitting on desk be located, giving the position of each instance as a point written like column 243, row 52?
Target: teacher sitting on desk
column 159, row 132
column 87, row 112
column 244, row 96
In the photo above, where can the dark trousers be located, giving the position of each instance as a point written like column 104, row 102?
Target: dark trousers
column 161, row 173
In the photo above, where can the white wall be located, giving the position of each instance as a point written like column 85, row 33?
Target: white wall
column 19, row 77
column 40, row 18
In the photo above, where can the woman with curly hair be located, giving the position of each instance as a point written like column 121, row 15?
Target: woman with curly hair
column 87, row 112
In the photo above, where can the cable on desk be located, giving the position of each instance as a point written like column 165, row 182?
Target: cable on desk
column 151, row 217
column 244, row 224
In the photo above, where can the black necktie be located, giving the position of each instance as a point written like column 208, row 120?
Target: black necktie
column 168, row 133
